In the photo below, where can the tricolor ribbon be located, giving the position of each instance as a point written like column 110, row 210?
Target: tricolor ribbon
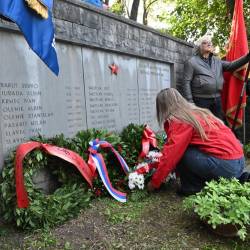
column 65, row 154
column 96, row 162
column 148, row 138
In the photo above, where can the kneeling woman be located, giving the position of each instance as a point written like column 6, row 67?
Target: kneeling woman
column 198, row 144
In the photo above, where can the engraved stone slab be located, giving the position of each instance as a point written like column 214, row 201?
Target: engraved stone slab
column 152, row 77
column 111, row 100
column 32, row 100
column 126, row 81
column 86, row 94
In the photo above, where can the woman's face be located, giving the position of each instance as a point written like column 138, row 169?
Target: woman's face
column 206, row 47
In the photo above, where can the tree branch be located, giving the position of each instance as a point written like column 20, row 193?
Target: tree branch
column 150, row 4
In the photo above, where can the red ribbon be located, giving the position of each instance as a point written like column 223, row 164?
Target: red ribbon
column 148, row 138
column 65, row 154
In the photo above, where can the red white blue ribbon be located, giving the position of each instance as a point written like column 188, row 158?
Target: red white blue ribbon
column 96, row 162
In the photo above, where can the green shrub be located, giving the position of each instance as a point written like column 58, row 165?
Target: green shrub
column 223, row 202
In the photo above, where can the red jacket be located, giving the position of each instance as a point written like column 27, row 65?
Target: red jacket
column 221, row 143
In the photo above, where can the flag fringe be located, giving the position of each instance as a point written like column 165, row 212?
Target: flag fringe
column 230, row 115
column 38, row 7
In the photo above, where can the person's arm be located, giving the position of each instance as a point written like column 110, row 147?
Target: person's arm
column 185, row 86
column 232, row 66
column 179, row 137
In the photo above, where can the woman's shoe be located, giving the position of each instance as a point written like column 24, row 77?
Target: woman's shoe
column 184, row 193
column 244, row 177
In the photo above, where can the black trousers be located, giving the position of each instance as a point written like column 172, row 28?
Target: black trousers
column 213, row 104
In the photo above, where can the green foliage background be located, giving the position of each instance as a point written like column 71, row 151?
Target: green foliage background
column 193, row 18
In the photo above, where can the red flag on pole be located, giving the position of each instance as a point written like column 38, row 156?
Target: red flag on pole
column 233, row 84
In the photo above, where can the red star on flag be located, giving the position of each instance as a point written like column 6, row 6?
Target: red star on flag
column 114, row 68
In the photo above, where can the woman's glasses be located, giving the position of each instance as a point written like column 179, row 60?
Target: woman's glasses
column 206, row 43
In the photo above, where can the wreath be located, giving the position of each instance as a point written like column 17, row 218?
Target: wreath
column 44, row 210
column 131, row 137
column 72, row 193
column 81, row 144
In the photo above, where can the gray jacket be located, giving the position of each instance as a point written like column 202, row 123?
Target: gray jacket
column 205, row 81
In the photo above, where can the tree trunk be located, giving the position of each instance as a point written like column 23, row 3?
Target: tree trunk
column 134, row 10
column 145, row 17
column 230, row 7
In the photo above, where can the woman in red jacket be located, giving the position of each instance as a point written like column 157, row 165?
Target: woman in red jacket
column 198, row 142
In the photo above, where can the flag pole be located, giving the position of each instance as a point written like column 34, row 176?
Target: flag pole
column 244, row 125
column 241, row 97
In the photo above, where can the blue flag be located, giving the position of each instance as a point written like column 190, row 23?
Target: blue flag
column 38, row 32
column 97, row 3
column 47, row 3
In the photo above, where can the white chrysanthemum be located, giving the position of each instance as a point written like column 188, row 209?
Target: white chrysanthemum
column 131, row 185
column 140, row 179
column 135, row 180
column 154, row 156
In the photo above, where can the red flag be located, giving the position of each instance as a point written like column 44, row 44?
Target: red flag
column 233, row 84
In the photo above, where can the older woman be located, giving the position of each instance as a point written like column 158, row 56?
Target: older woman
column 203, row 76
column 198, row 143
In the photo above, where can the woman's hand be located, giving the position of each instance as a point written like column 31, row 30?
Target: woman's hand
column 150, row 187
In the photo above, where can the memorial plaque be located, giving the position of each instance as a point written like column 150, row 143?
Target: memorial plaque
column 32, row 100
column 152, row 77
column 111, row 100
column 86, row 94
column 114, row 101
column 126, row 81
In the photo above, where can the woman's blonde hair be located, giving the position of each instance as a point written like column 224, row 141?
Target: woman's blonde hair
column 171, row 105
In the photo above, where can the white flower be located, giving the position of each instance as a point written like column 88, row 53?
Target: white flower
column 154, row 156
column 135, row 179
column 131, row 185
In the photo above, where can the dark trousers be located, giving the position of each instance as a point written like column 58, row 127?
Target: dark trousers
column 196, row 167
column 213, row 104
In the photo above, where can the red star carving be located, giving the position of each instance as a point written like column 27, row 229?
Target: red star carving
column 114, row 68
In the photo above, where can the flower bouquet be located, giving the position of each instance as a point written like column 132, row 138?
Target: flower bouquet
column 142, row 172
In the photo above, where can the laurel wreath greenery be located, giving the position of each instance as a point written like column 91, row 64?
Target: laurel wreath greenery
column 132, row 146
column 44, row 210
column 72, row 193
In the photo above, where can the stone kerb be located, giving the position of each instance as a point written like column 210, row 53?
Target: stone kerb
column 83, row 24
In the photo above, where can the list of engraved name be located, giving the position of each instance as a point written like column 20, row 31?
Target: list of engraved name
column 103, row 107
column 22, row 115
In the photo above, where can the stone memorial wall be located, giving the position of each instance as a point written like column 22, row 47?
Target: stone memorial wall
column 86, row 94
